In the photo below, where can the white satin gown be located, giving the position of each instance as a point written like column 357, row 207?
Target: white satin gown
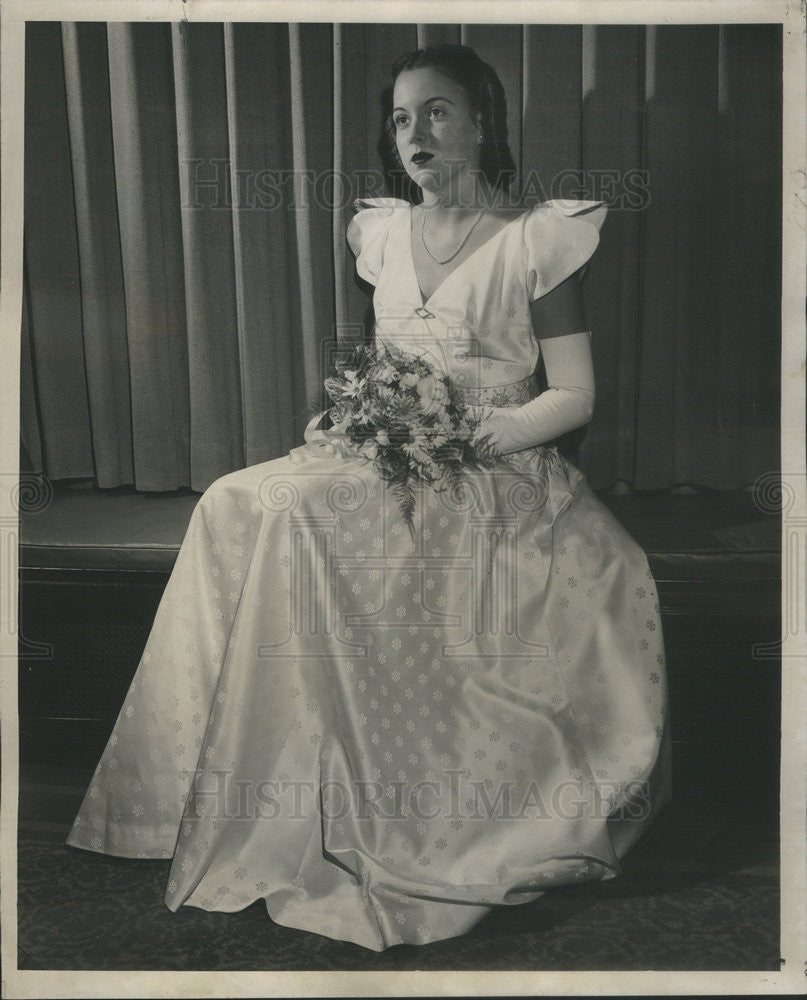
column 383, row 737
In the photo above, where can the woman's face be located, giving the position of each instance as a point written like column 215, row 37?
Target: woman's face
column 436, row 131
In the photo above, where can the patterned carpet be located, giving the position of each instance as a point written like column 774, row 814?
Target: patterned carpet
column 700, row 892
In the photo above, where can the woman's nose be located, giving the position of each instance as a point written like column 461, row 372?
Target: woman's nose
column 418, row 131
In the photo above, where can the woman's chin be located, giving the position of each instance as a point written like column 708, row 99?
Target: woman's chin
column 428, row 179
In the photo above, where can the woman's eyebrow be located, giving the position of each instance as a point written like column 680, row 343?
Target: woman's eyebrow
column 427, row 101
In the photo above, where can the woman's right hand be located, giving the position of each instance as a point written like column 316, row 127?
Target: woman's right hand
column 314, row 426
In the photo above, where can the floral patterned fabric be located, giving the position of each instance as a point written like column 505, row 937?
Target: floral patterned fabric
column 380, row 736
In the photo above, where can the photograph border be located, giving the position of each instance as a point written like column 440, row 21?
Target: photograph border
column 28, row 983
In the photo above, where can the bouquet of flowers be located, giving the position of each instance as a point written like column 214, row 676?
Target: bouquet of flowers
column 409, row 420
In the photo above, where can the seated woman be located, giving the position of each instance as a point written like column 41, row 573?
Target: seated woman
column 380, row 733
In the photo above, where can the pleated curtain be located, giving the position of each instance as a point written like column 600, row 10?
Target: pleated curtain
column 187, row 189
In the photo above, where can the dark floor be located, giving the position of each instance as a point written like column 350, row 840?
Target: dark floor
column 699, row 892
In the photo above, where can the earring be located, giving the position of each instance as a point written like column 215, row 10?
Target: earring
column 481, row 138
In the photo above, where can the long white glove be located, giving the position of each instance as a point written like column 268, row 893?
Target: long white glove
column 568, row 403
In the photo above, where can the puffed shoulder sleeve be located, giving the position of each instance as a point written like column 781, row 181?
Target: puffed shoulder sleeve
column 559, row 237
column 367, row 233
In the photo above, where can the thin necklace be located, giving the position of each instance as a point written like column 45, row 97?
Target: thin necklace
column 448, row 260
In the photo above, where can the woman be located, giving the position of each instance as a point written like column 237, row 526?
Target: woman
column 383, row 735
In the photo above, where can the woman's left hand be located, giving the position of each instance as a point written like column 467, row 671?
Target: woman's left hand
column 494, row 420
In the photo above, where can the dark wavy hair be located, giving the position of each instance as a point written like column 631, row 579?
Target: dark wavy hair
column 485, row 94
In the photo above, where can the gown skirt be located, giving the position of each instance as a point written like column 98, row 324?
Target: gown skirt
column 380, row 733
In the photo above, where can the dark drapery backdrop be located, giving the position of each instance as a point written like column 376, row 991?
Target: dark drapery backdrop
column 187, row 189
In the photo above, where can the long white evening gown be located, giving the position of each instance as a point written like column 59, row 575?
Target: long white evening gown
column 383, row 737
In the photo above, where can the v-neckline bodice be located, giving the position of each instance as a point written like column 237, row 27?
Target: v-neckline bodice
column 426, row 300
column 477, row 324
